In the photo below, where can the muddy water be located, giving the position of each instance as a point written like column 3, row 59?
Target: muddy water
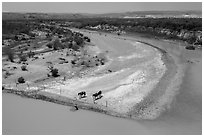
column 28, row 116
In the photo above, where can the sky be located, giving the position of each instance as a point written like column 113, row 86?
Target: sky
column 97, row 7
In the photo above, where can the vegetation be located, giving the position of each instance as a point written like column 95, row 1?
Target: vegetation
column 30, row 54
column 21, row 80
column 187, row 29
column 10, row 53
column 87, row 61
column 15, row 27
column 22, row 58
column 190, row 47
column 57, row 45
column 54, row 72
column 176, row 24
column 49, row 45
column 24, row 68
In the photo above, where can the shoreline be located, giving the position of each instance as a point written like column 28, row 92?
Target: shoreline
column 168, row 61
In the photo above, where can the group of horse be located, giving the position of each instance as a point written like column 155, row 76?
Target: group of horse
column 95, row 96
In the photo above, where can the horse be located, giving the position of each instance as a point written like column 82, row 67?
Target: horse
column 82, row 94
column 97, row 95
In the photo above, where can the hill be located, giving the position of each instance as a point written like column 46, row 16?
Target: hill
column 136, row 14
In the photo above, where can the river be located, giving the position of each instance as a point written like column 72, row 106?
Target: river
column 29, row 116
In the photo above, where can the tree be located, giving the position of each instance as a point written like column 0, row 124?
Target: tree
column 54, row 72
column 102, row 58
column 30, row 54
column 9, row 52
column 79, row 41
column 57, row 45
column 190, row 47
column 21, row 80
column 88, row 40
column 23, row 68
column 73, row 62
column 191, row 40
column 22, row 58
column 49, row 45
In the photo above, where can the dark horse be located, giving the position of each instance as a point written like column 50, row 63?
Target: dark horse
column 97, row 95
column 82, row 94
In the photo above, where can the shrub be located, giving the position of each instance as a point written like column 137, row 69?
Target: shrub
column 49, row 45
column 24, row 68
column 78, row 40
column 9, row 52
column 88, row 40
column 73, row 62
column 21, row 80
column 190, row 47
column 7, row 74
column 22, row 58
column 54, row 72
column 30, row 54
column 57, row 45
column 102, row 58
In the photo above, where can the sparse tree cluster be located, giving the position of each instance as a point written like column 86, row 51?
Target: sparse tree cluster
column 89, row 61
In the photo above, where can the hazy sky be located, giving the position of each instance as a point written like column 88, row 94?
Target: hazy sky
column 102, row 7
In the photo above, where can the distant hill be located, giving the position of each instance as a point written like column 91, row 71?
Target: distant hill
column 32, row 16
column 155, row 14
column 137, row 14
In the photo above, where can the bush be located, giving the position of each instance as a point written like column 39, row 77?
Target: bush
column 22, row 58
column 30, row 54
column 190, row 47
column 79, row 41
column 49, row 45
column 73, row 62
column 9, row 52
column 7, row 74
column 57, row 45
column 88, row 40
column 54, row 72
column 24, row 68
column 21, row 80
column 102, row 58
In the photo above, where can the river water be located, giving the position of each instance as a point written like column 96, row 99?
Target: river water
column 29, row 116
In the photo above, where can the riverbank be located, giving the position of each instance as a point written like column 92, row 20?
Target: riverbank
column 137, row 113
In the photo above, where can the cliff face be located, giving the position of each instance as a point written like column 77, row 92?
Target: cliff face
column 191, row 37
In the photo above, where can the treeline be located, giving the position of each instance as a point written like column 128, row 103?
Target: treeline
column 177, row 24
column 186, row 29
column 15, row 27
